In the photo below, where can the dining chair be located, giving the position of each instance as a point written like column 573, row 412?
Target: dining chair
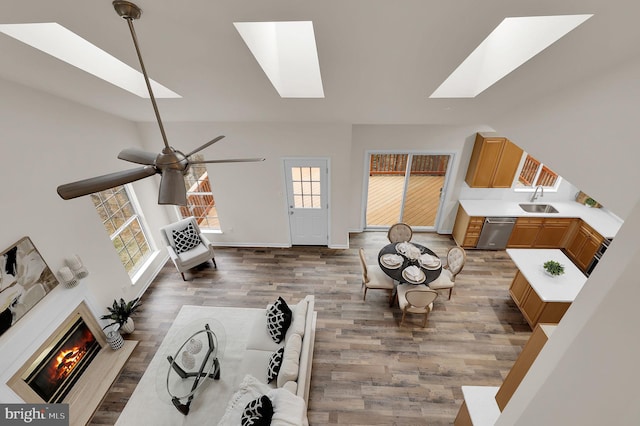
column 456, row 258
column 416, row 299
column 186, row 245
column 399, row 232
column 374, row 278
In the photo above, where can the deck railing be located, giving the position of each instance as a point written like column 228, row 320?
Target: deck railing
column 396, row 164
column 199, row 199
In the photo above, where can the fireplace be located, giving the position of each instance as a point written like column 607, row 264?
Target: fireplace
column 75, row 365
column 57, row 369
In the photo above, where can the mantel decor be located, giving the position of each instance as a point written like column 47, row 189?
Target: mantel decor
column 25, row 279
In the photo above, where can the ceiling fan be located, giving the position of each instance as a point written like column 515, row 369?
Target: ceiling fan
column 170, row 163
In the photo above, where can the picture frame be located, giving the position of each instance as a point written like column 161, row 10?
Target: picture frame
column 25, row 279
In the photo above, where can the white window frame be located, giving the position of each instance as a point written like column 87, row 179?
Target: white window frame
column 136, row 216
column 519, row 187
column 204, row 226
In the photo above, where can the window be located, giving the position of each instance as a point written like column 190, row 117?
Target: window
column 200, row 201
column 122, row 222
column 306, row 187
column 535, row 173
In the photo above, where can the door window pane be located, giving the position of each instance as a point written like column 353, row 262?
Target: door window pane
column 423, row 189
column 306, row 187
column 395, row 197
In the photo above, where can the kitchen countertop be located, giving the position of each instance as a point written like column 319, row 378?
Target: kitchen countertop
column 601, row 220
column 481, row 404
column 563, row 288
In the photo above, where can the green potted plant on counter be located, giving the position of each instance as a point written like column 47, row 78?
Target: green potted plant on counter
column 553, row 268
column 120, row 313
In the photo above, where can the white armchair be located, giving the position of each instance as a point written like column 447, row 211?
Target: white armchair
column 186, row 245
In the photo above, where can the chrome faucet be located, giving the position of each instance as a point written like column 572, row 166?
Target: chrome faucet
column 534, row 197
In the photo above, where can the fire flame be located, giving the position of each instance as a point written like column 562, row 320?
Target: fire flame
column 66, row 362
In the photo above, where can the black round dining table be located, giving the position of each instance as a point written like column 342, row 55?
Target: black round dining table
column 396, row 274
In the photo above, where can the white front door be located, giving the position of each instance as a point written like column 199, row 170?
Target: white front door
column 307, row 201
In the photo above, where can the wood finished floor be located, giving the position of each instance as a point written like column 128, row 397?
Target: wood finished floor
column 366, row 369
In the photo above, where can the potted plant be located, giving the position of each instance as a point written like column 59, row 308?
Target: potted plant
column 590, row 202
column 553, row 268
column 120, row 313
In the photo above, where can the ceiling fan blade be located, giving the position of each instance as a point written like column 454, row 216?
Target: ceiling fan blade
column 100, row 183
column 172, row 189
column 138, row 156
column 211, row 142
column 230, row 160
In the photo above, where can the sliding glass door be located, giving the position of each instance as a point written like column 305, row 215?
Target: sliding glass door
column 405, row 188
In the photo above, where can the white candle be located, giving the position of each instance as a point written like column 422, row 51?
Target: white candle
column 66, row 274
column 74, row 262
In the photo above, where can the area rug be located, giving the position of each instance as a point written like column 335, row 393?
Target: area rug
column 150, row 403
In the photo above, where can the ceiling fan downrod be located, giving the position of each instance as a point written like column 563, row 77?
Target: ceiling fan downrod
column 129, row 12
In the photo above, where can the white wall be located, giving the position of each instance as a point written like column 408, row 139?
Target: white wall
column 588, row 134
column 251, row 197
column 46, row 142
column 588, row 371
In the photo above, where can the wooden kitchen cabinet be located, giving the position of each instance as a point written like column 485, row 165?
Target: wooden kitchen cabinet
column 540, row 232
column 584, row 245
column 533, row 308
column 525, row 232
column 553, row 233
column 494, row 162
column 526, row 358
column 466, row 229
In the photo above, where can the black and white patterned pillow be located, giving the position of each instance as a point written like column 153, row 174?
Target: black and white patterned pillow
column 257, row 412
column 278, row 320
column 185, row 239
column 275, row 362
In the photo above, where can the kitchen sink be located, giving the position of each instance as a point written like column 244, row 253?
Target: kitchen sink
column 538, row 208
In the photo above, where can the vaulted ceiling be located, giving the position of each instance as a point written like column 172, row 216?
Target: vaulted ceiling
column 379, row 60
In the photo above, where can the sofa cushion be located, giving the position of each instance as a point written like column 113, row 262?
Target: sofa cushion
column 290, row 361
column 278, row 320
column 288, row 409
column 257, row 412
column 259, row 338
column 298, row 319
column 185, row 239
column 275, row 363
column 249, row 389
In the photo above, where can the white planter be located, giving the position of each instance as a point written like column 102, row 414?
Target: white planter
column 128, row 326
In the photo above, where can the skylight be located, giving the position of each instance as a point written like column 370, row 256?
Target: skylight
column 510, row 44
column 287, row 53
column 59, row 42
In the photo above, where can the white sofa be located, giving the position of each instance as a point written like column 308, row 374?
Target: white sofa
column 294, row 378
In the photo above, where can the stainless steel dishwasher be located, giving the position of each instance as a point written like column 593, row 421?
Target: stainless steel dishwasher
column 495, row 233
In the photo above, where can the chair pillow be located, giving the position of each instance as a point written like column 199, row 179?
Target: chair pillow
column 278, row 320
column 275, row 362
column 257, row 412
column 185, row 239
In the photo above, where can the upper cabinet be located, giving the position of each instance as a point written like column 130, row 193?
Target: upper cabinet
column 494, row 162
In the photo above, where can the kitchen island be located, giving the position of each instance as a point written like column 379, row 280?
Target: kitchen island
column 543, row 298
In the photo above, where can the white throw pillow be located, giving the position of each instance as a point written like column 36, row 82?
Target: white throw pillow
column 288, row 409
column 250, row 389
column 291, row 360
column 299, row 318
